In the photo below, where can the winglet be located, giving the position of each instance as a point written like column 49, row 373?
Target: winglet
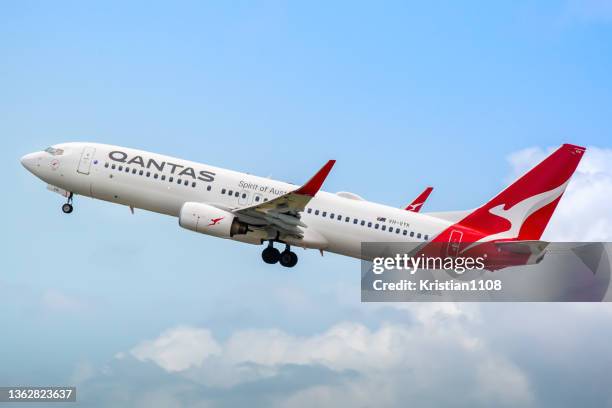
column 418, row 202
column 314, row 184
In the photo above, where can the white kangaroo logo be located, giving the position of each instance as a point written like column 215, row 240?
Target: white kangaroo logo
column 518, row 213
column 413, row 207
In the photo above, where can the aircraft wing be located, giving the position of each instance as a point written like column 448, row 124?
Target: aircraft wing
column 283, row 212
column 418, row 202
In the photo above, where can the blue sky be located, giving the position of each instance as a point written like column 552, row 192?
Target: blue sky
column 402, row 95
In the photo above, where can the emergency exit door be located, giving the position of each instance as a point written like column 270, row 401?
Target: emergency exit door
column 86, row 158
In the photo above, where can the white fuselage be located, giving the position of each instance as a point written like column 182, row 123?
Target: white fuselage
column 163, row 184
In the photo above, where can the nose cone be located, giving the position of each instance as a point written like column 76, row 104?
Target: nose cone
column 30, row 161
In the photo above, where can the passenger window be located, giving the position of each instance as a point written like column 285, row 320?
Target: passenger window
column 309, row 210
column 419, row 235
column 208, row 188
column 193, row 184
column 222, row 191
column 179, row 181
column 397, row 230
column 148, row 173
column 187, row 183
column 163, row 177
column 141, row 172
column 171, row 179
column 339, row 217
column 405, row 232
column 230, row 193
column 362, row 223
column 412, row 233
column 256, row 198
column 347, row 219
column 113, row 167
column 155, row 176
column 134, row 171
column 106, row 165
column 331, row 216
column 243, row 195
column 120, row 168
column 426, row 237
column 316, row 212
column 384, row 227
column 355, row 220
column 376, row 226
column 127, row 169
column 324, row 214
column 369, row 225
column 236, row 194
column 265, row 199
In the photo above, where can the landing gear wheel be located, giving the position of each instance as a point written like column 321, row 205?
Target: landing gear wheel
column 270, row 255
column 288, row 259
column 294, row 260
column 67, row 208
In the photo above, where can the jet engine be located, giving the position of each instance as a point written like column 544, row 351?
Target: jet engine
column 206, row 219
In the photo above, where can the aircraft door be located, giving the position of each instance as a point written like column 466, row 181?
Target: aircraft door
column 454, row 241
column 86, row 158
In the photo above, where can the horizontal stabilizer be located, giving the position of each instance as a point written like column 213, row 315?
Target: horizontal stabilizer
column 522, row 247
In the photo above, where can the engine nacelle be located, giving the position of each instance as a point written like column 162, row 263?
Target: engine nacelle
column 206, row 219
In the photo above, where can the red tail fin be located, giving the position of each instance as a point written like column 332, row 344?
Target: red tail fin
column 523, row 209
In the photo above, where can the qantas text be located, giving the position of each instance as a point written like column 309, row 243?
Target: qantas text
column 178, row 169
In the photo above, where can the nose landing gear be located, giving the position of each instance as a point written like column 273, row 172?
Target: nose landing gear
column 287, row 258
column 67, row 207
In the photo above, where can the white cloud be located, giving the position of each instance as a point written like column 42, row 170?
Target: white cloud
column 502, row 381
column 389, row 363
column 525, row 159
column 344, row 346
column 177, row 349
column 511, row 354
column 583, row 214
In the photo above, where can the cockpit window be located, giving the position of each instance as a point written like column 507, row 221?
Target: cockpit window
column 53, row 151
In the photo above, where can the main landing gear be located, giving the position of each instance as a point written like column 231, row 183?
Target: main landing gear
column 287, row 258
column 67, row 207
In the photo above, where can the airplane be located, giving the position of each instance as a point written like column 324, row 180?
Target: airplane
column 256, row 210
column 418, row 202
